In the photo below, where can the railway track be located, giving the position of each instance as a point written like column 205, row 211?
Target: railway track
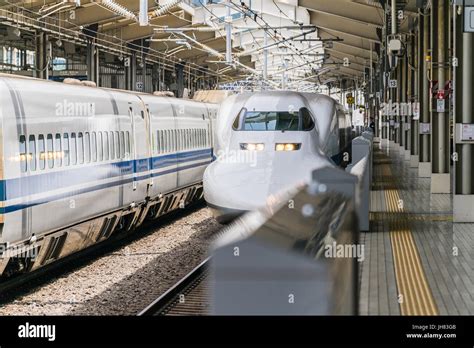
column 190, row 296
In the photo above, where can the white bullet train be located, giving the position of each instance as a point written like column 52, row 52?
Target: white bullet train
column 269, row 141
column 79, row 164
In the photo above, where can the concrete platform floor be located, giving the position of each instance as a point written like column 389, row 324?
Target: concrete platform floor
column 417, row 261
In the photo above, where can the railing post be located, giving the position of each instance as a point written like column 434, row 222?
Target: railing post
column 370, row 137
column 362, row 168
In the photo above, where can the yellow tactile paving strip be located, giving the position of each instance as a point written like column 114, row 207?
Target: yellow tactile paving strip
column 415, row 297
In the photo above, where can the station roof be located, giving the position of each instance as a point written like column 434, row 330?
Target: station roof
column 352, row 27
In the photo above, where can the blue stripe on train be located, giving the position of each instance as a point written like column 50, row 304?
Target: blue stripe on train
column 16, row 207
column 34, row 184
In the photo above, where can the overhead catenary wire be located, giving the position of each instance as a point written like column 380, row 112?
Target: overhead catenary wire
column 71, row 34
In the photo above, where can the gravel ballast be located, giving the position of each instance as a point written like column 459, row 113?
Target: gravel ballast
column 128, row 279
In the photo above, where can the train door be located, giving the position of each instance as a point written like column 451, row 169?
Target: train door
column 133, row 150
column 145, row 115
column 211, row 118
column 136, row 144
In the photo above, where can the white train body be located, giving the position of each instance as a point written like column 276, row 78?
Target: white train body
column 79, row 164
column 290, row 134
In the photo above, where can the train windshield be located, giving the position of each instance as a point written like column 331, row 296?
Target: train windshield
column 274, row 121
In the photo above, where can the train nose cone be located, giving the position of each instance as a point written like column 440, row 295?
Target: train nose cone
column 235, row 186
column 239, row 187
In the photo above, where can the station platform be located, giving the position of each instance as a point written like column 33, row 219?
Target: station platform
column 417, row 261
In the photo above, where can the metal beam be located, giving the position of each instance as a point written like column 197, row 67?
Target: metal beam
column 346, row 11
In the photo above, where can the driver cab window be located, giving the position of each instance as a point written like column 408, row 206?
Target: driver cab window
column 285, row 121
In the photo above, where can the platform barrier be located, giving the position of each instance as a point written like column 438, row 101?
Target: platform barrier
column 298, row 255
column 362, row 168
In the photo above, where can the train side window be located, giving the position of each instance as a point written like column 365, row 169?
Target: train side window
column 128, row 147
column 23, row 153
column 127, row 144
column 42, row 153
column 117, row 145
column 163, row 144
column 100, row 147
column 238, row 120
column 58, row 154
column 307, row 122
column 80, row 148
column 94, row 147
column 153, row 142
column 183, row 144
column 169, row 140
column 50, row 150
column 87, row 147
column 175, row 133
column 66, row 148
column 175, row 140
column 185, row 139
column 106, row 146
column 163, row 139
column 158, row 142
column 73, row 149
column 122, row 144
column 32, row 152
column 178, row 141
column 112, row 148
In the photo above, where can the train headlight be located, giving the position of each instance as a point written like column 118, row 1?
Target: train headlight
column 287, row 147
column 252, row 147
column 280, row 147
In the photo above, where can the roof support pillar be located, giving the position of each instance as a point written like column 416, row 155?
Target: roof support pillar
column 463, row 200
column 424, row 169
column 440, row 165
column 92, row 61
column 43, row 48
